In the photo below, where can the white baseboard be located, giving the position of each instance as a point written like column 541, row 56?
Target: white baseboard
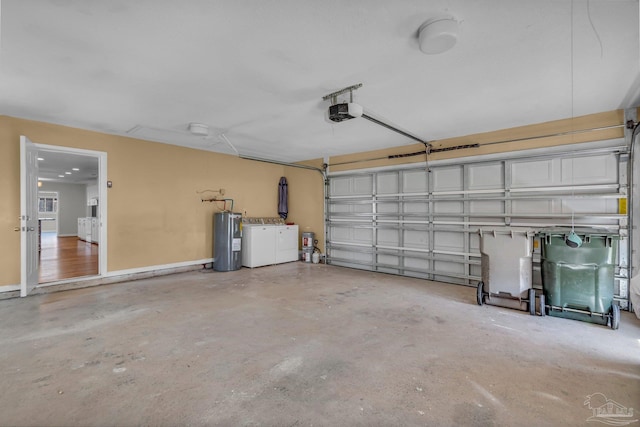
column 157, row 267
column 114, row 276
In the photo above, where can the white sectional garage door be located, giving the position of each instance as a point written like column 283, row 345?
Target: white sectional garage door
column 424, row 224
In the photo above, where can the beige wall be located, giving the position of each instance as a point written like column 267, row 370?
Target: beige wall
column 306, row 199
column 155, row 215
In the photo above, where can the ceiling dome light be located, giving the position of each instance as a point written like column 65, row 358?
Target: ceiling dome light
column 199, row 129
column 438, row 35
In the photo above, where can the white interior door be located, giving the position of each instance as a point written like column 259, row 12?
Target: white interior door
column 29, row 234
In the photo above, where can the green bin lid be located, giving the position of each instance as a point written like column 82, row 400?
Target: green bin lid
column 583, row 232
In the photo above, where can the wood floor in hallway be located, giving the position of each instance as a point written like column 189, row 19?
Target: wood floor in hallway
column 66, row 257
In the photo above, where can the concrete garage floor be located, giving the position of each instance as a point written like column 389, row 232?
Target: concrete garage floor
column 301, row 344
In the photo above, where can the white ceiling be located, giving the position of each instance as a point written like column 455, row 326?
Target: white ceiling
column 59, row 167
column 256, row 71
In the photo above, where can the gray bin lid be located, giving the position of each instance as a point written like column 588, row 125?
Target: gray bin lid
column 507, row 230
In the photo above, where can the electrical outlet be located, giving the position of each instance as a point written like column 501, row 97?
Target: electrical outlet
column 244, row 212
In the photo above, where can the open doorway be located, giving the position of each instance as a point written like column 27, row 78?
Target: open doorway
column 71, row 214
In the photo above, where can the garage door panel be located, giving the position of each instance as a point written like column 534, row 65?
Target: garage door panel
column 339, row 209
column 416, row 207
column 449, row 220
column 489, row 221
column 386, row 259
column 448, row 207
column 416, row 263
column 595, row 222
column 540, row 223
column 602, row 169
column 532, row 206
column 363, row 185
column 417, row 260
column 351, row 185
column 488, row 206
column 590, row 206
column 448, row 241
column 388, row 237
column 388, row 270
column 349, row 255
column 343, row 234
column 388, row 207
column 363, row 235
column 416, row 239
column 414, row 181
column 362, row 208
column 450, row 270
column 486, row 176
column 474, row 242
column 351, row 235
column 447, row 179
column 387, row 183
column 447, row 279
column 536, row 173
column 475, row 270
column 438, row 213
column 341, row 186
column 453, row 266
column 351, row 208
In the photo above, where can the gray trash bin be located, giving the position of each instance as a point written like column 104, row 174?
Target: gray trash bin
column 506, row 255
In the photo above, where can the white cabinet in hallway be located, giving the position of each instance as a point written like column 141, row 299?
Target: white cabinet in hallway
column 89, row 229
column 82, row 228
column 95, row 230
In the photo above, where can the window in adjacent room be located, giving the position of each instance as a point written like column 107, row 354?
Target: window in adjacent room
column 47, row 204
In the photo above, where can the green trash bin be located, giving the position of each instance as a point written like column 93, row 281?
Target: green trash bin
column 578, row 282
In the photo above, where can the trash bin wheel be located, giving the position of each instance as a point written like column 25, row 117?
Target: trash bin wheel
column 543, row 309
column 532, row 302
column 615, row 316
column 480, row 295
